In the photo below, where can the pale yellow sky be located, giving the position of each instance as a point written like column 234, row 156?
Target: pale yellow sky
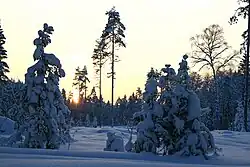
column 158, row 32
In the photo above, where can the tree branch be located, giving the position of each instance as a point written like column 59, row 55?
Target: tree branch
column 226, row 61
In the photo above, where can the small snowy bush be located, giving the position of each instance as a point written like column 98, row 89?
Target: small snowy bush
column 114, row 143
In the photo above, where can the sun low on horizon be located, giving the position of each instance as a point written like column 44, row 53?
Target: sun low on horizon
column 75, row 97
column 157, row 33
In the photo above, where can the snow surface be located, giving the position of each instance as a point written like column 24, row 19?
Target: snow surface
column 6, row 126
column 87, row 150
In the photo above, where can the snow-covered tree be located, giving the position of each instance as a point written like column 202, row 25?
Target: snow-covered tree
column 12, row 97
column 227, row 103
column 113, row 35
column 207, row 96
column 64, row 95
column 47, row 124
column 208, row 118
column 147, row 140
column 93, row 97
column 99, row 57
column 196, row 81
column 120, row 110
column 93, row 104
column 4, row 68
column 138, row 93
column 239, row 118
column 94, row 123
column 153, row 73
column 172, row 120
column 87, row 121
column 132, row 107
column 182, row 131
column 97, row 107
column 242, row 12
column 80, row 81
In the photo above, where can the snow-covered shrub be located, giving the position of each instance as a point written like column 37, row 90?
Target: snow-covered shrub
column 48, row 123
column 114, row 143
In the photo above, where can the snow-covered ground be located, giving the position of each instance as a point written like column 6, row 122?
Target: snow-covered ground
column 87, row 151
column 6, row 126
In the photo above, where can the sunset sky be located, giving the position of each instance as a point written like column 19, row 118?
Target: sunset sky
column 158, row 32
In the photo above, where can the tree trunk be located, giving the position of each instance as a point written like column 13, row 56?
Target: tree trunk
column 217, row 102
column 112, row 70
column 85, row 90
column 246, row 74
column 100, row 79
column 79, row 96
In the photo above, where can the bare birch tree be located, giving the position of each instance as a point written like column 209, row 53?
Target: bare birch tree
column 210, row 49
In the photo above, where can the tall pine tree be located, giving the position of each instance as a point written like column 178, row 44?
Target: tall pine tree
column 80, row 81
column 113, row 35
column 99, row 59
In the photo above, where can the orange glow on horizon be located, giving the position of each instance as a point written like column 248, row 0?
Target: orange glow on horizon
column 75, row 96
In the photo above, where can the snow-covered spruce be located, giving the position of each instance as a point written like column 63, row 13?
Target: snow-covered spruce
column 186, row 134
column 239, row 118
column 114, row 143
column 12, row 95
column 48, row 122
column 174, row 118
column 147, row 140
